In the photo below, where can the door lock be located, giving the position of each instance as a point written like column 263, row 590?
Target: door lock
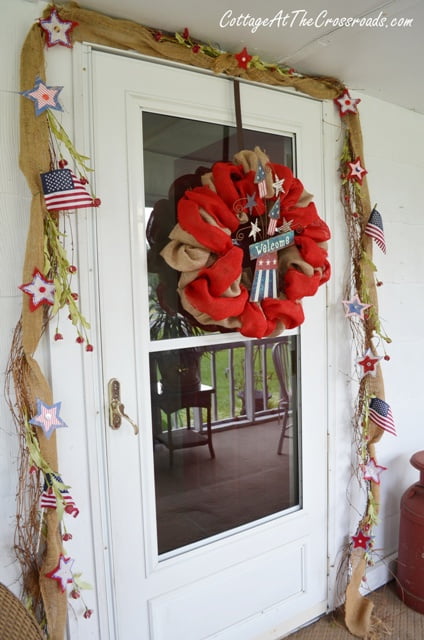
column 116, row 408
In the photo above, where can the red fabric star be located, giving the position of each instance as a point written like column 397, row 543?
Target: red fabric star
column 369, row 362
column 40, row 290
column 356, row 172
column 62, row 572
column 346, row 104
column 243, row 58
column 361, row 540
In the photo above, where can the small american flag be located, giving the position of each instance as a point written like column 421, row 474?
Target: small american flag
column 48, row 499
column 374, row 229
column 273, row 215
column 63, row 190
column 381, row 414
column 260, row 180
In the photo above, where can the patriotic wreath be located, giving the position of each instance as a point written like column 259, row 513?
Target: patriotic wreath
column 247, row 246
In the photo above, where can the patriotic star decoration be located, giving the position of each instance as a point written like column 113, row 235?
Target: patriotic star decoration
column 40, row 290
column 286, row 226
column 63, row 572
column 44, row 97
column 361, row 540
column 356, row 171
column 368, row 363
column 372, row 470
column 355, row 307
column 278, row 185
column 243, row 58
column 57, row 31
column 346, row 104
column 48, row 418
column 254, row 229
column 251, row 203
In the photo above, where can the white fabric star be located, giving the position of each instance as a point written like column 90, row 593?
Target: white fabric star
column 356, row 171
column 347, row 104
column 254, row 230
column 278, row 185
column 41, row 290
column 57, row 30
column 372, row 470
column 63, row 572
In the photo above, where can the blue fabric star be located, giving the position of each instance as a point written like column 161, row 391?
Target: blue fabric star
column 44, row 97
column 48, row 418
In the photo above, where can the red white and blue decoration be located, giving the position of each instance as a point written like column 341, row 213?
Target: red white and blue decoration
column 368, row 363
column 40, row 289
column 63, row 191
column 381, row 414
column 48, row 418
column 374, row 229
column 57, row 31
column 372, row 471
column 355, row 307
column 356, row 171
column 278, row 185
column 48, row 499
column 260, row 180
column 43, row 96
column 346, row 104
column 361, row 540
column 62, row 572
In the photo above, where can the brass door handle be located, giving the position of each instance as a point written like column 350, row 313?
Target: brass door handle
column 116, row 407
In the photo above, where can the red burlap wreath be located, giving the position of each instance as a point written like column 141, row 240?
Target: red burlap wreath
column 211, row 257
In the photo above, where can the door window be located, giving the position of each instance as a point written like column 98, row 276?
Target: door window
column 224, row 415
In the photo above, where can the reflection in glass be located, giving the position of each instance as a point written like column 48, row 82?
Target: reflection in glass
column 224, row 416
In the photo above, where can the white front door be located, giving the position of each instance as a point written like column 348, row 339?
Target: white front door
column 180, row 558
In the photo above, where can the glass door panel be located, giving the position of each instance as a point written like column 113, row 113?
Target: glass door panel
column 224, row 415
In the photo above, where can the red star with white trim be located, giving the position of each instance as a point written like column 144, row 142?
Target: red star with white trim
column 63, row 572
column 368, row 363
column 57, row 31
column 356, row 171
column 361, row 540
column 372, row 470
column 346, row 104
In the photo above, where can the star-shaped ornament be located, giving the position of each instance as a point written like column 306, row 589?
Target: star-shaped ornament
column 63, row 572
column 254, row 229
column 355, row 307
column 372, row 470
column 44, row 97
column 356, row 171
column 48, row 418
column 361, row 540
column 251, row 203
column 57, row 31
column 243, row 58
column 39, row 289
column 278, row 185
column 368, row 363
column 346, row 104
column 286, row 226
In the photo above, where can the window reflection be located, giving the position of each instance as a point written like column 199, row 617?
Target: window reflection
column 224, row 416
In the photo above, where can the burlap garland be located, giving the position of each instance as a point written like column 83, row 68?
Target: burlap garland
column 34, row 158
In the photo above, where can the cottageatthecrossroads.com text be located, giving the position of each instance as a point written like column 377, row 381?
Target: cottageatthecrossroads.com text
column 303, row 18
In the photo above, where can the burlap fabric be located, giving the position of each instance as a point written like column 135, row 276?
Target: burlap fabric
column 34, row 158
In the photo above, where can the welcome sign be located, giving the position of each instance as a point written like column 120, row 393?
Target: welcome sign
column 275, row 243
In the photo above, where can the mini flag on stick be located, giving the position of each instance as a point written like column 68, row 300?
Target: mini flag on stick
column 48, row 499
column 260, row 180
column 273, row 216
column 381, row 414
column 63, row 190
column 374, row 229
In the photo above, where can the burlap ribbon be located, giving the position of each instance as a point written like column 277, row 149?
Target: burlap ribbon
column 34, row 158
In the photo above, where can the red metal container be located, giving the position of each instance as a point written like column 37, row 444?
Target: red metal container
column 410, row 566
